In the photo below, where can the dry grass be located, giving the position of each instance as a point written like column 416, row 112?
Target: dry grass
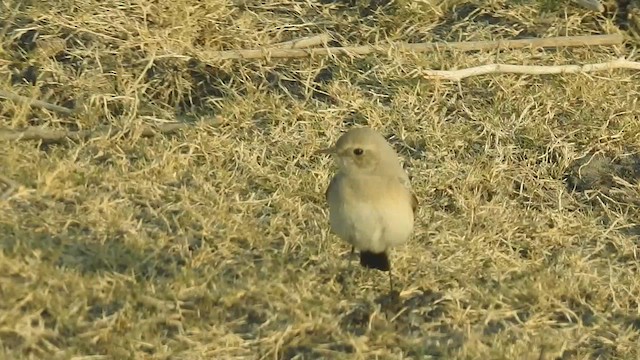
column 214, row 243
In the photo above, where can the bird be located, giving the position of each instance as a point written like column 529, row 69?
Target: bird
column 370, row 198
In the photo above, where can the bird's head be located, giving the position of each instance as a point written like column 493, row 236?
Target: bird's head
column 362, row 150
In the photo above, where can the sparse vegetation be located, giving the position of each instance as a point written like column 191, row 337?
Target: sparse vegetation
column 213, row 243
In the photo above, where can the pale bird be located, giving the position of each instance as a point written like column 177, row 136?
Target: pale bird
column 371, row 203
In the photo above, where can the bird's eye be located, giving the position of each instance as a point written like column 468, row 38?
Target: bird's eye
column 358, row 151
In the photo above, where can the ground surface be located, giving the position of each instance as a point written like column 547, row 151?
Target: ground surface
column 214, row 242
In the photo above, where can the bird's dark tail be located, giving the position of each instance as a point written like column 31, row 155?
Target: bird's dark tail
column 372, row 260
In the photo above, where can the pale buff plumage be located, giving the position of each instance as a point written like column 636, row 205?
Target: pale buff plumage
column 371, row 203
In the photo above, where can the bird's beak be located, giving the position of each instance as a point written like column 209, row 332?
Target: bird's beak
column 331, row 150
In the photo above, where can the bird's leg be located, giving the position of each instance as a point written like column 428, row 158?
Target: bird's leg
column 350, row 255
column 390, row 281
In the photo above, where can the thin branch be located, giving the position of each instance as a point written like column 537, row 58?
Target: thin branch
column 457, row 75
column 35, row 103
column 305, row 42
column 56, row 136
column 569, row 41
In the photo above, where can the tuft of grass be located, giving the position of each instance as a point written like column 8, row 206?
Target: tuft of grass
column 214, row 243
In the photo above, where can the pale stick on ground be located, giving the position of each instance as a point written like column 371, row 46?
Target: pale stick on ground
column 305, row 42
column 371, row 203
column 35, row 103
column 561, row 41
column 56, row 136
column 457, row 75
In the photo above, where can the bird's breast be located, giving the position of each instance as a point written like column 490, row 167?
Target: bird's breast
column 371, row 213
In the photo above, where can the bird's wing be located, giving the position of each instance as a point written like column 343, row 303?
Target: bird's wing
column 332, row 184
column 414, row 200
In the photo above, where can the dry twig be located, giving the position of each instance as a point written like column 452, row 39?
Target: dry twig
column 54, row 136
column 305, row 42
column 35, row 103
column 458, row 75
column 568, row 41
